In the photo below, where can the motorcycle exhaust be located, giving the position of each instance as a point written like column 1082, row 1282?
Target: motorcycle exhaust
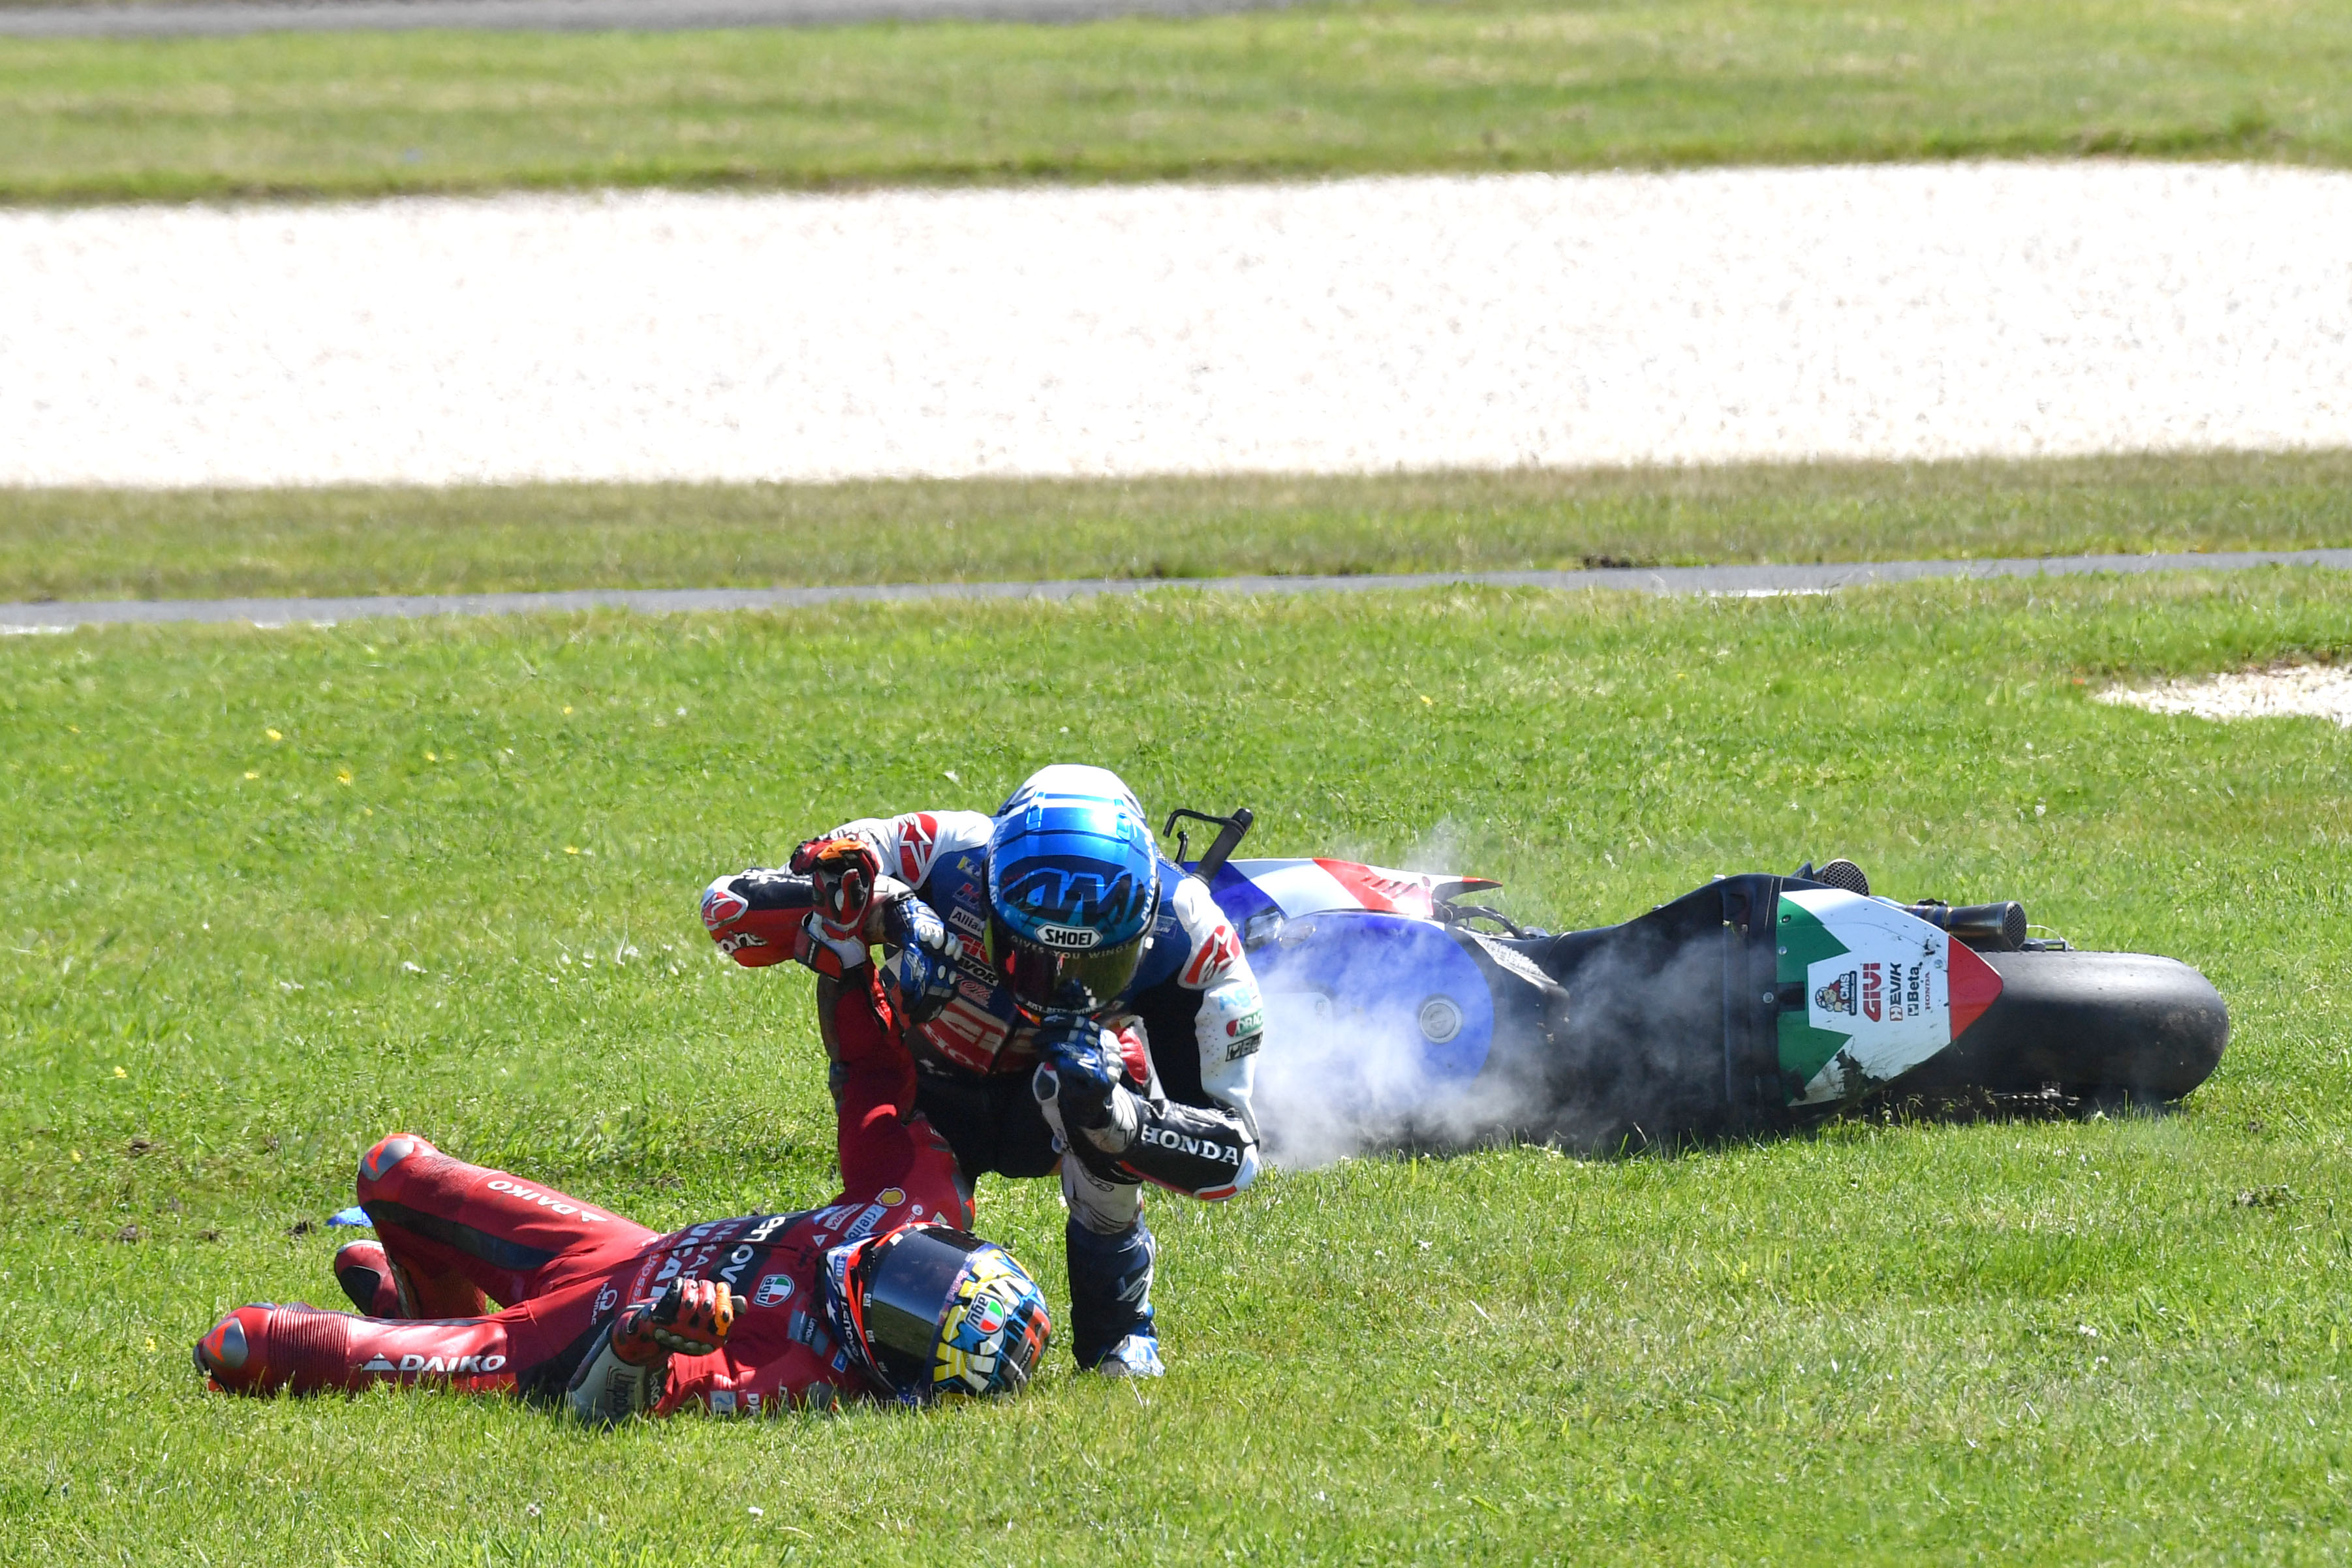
column 1990, row 928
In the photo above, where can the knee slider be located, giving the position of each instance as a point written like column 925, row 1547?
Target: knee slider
column 389, row 1152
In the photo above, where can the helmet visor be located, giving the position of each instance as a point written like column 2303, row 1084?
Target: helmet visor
column 906, row 1298
column 1045, row 979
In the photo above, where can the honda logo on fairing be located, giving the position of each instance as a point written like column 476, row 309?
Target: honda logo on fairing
column 1175, row 1142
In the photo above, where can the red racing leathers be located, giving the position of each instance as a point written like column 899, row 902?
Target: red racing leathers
column 560, row 1267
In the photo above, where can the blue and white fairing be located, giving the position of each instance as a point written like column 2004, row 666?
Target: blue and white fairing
column 1367, row 993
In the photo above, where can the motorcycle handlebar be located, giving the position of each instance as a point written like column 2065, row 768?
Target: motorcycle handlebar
column 1229, row 838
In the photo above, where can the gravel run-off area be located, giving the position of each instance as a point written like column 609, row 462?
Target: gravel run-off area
column 1921, row 312
column 2311, row 691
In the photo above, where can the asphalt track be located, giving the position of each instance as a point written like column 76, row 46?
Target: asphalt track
column 1727, row 581
column 227, row 18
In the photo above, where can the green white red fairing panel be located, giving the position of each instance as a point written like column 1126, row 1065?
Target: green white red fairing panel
column 1884, row 991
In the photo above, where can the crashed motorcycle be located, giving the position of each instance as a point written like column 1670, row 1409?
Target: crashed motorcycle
column 1413, row 1015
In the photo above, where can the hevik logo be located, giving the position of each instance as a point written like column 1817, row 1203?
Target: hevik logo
column 916, row 839
column 1873, row 991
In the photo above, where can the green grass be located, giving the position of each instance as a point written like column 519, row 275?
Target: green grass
column 105, row 544
column 1325, row 89
column 1879, row 1344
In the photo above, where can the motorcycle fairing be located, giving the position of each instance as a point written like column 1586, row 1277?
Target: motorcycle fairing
column 1297, row 887
column 1881, row 991
column 1380, row 980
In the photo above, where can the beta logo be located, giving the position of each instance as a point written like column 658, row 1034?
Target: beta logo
column 774, row 1290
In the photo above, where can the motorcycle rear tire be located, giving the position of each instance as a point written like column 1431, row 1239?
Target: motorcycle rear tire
column 2100, row 1027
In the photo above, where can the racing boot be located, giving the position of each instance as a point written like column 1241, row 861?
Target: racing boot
column 1110, row 1301
column 263, row 1348
column 377, row 1286
column 1137, row 1355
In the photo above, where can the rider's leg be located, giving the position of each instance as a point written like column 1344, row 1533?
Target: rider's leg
column 1110, row 1254
column 884, row 1143
column 459, row 1232
column 365, row 1271
column 1110, row 1249
column 303, row 1350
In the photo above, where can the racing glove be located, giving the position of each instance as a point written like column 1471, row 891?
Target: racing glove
column 1120, row 1136
column 918, row 975
column 1079, row 1075
column 841, row 873
column 625, row 1375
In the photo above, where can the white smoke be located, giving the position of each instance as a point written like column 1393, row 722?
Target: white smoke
column 1338, row 1078
column 1333, row 1081
column 1635, row 1056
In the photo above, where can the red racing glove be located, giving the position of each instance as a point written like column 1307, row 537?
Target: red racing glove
column 693, row 1317
column 841, row 873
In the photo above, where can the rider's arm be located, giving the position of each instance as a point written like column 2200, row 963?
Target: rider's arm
column 1230, row 1023
column 910, row 846
column 874, row 1087
column 624, row 1375
column 758, row 917
column 1207, row 1151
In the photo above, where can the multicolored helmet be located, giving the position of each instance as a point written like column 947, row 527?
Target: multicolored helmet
column 928, row 1310
column 1074, row 878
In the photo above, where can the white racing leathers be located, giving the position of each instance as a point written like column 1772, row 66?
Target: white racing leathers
column 1181, row 1118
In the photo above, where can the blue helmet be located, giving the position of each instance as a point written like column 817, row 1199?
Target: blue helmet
column 1074, row 878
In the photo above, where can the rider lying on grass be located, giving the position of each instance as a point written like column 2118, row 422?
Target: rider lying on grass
column 879, row 1293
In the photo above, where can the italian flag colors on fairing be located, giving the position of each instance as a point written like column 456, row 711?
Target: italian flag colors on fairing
column 1883, row 992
